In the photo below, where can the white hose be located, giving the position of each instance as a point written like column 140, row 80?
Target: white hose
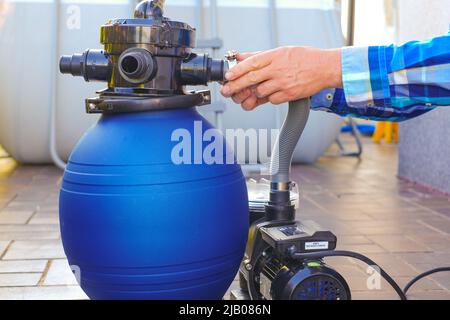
column 293, row 127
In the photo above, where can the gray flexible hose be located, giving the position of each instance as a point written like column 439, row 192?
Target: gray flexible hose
column 291, row 132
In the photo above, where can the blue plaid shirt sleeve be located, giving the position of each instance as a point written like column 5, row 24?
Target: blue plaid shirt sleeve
column 391, row 83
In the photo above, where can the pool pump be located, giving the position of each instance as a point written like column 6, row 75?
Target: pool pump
column 269, row 270
column 142, row 215
column 285, row 258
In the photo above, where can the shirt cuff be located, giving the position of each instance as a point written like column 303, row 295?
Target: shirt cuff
column 323, row 101
column 365, row 77
column 330, row 100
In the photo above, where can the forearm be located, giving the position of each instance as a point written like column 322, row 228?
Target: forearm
column 329, row 68
column 391, row 83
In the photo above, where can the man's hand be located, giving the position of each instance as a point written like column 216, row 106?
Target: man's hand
column 282, row 75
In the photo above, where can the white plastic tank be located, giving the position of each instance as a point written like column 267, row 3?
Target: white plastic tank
column 34, row 33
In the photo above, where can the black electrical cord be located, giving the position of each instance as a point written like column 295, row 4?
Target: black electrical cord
column 401, row 293
column 358, row 256
column 424, row 275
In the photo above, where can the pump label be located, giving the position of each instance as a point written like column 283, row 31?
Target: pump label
column 317, row 246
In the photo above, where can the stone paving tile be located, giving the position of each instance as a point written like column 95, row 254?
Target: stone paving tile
column 28, row 228
column 31, row 195
column 388, row 230
column 39, row 249
column 385, row 223
column 435, row 202
column 340, row 261
column 19, row 279
column 436, row 241
column 442, row 278
column 48, row 207
column 398, row 243
column 43, row 293
column 444, row 211
column 404, row 214
column 427, row 284
column 29, row 232
column 15, row 217
column 349, row 271
column 22, row 206
column 354, row 217
column 357, row 276
column 362, row 248
column 392, row 264
column 22, row 266
column 45, row 218
column 3, row 246
column 352, row 240
column 3, row 203
column 430, row 295
column 358, row 282
column 59, row 273
column 374, row 295
column 436, row 224
column 37, row 235
column 426, row 260
column 339, row 228
column 391, row 295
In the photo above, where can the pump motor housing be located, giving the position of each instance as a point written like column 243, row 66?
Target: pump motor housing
column 268, row 271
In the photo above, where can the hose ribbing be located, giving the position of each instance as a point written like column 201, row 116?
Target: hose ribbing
column 291, row 132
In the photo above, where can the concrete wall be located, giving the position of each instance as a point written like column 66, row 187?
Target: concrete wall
column 425, row 142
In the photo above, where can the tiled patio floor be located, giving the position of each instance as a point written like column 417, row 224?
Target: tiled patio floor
column 403, row 227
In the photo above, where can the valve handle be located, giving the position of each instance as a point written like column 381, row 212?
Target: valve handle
column 149, row 9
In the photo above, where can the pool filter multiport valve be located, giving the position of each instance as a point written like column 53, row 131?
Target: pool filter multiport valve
column 147, row 62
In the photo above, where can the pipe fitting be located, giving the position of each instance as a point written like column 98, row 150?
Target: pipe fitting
column 200, row 69
column 92, row 65
column 137, row 66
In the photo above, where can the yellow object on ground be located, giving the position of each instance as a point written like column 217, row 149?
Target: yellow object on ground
column 7, row 164
column 389, row 131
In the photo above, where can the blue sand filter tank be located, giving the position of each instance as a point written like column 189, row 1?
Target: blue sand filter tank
column 136, row 223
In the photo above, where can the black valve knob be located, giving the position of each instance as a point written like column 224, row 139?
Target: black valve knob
column 149, row 9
